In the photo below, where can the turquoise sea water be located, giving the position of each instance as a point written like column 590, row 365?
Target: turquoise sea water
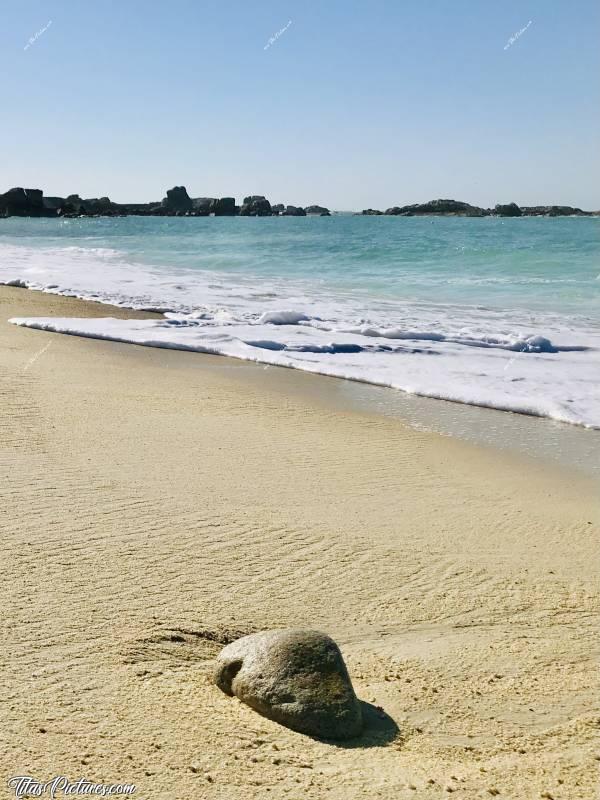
column 549, row 264
column 433, row 306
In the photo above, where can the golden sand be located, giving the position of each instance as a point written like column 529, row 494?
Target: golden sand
column 156, row 504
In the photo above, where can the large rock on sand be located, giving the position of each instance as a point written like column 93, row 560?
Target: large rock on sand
column 295, row 677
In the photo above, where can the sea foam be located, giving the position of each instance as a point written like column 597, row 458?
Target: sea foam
column 541, row 364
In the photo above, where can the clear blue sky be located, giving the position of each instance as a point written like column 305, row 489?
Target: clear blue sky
column 356, row 104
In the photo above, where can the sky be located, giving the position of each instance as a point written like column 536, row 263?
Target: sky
column 347, row 104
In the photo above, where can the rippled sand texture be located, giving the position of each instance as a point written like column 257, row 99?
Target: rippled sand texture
column 157, row 504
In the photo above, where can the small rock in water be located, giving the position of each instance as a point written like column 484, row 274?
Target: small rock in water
column 295, row 677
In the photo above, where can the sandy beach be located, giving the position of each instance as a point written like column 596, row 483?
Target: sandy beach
column 158, row 504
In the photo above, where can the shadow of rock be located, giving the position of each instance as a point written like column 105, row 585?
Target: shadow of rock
column 379, row 730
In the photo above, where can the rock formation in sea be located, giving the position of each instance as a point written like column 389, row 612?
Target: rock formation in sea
column 508, row 210
column 256, row 205
column 225, row 207
column 20, row 202
column 319, row 211
column 295, row 677
column 202, row 206
column 294, row 211
column 556, row 211
column 446, row 207
column 177, row 199
column 218, row 206
column 177, row 202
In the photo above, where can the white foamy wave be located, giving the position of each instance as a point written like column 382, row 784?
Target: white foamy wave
column 545, row 365
column 549, row 384
column 283, row 317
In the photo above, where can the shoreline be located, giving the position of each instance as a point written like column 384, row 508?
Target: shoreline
column 552, row 442
column 149, row 492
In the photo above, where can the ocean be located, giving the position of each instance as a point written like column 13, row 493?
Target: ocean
column 500, row 313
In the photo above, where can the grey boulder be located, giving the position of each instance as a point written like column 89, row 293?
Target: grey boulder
column 295, row 677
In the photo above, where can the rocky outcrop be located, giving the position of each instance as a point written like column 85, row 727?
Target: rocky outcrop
column 35, row 199
column 202, row 206
column 69, row 210
column 19, row 202
column 99, row 205
column 53, row 203
column 295, row 677
column 32, row 203
column 73, row 201
column 294, row 211
column 139, row 209
column 554, row 211
column 255, row 205
column 225, row 207
column 74, row 205
column 438, row 207
column 177, row 199
column 219, row 206
column 508, row 210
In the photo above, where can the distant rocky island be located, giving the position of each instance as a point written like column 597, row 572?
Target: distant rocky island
column 455, row 208
column 20, row 202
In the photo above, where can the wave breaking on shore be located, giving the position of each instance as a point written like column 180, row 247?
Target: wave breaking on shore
column 541, row 365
